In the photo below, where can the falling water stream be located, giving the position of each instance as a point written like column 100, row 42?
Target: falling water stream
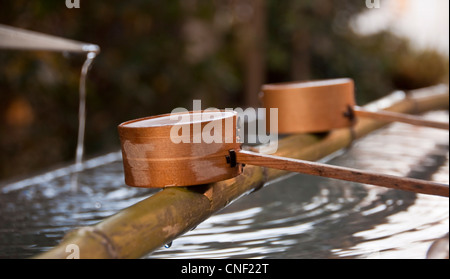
column 21, row 39
column 298, row 216
column 81, row 120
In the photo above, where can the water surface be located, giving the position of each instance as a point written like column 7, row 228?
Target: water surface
column 296, row 217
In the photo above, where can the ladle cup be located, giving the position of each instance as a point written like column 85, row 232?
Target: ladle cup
column 324, row 105
column 192, row 148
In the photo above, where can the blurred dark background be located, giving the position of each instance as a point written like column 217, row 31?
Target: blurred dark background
column 158, row 55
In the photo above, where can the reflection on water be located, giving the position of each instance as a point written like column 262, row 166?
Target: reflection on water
column 35, row 217
column 297, row 217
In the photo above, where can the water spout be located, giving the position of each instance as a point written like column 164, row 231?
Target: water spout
column 20, row 39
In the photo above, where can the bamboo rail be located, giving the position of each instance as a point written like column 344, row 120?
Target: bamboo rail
column 159, row 219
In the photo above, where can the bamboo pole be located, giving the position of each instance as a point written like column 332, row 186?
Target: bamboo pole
column 17, row 38
column 159, row 219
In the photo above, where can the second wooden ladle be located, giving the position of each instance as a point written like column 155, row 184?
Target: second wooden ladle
column 324, row 105
column 193, row 148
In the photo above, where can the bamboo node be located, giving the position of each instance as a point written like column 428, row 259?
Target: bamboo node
column 102, row 238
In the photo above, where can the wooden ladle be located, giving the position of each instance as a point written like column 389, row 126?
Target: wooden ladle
column 324, row 105
column 176, row 150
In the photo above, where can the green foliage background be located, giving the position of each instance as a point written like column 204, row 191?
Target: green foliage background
column 158, row 55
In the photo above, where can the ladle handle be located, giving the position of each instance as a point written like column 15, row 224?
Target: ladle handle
column 399, row 117
column 342, row 173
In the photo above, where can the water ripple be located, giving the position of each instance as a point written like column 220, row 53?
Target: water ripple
column 297, row 217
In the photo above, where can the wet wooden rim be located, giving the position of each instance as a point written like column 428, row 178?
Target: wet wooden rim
column 309, row 107
column 152, row 158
